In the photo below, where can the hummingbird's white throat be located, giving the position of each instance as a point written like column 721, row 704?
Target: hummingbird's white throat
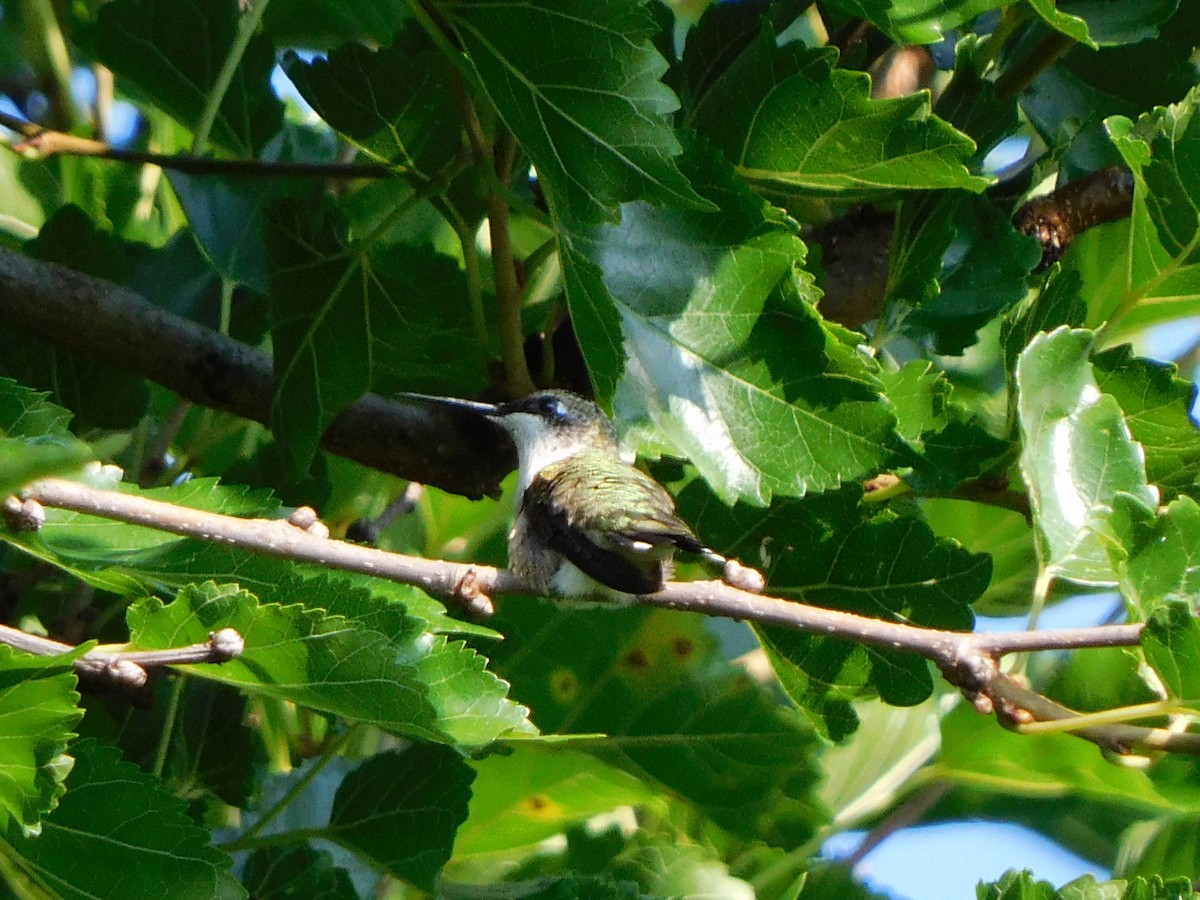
column 539, row 444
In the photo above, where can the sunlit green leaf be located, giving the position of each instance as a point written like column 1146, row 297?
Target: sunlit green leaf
column 422, row 685
column 534, row 792
column 722, row 350
column 813, row 128
column 916, row 21
column 1077, row 455
column 40, row 709
column 671, row 712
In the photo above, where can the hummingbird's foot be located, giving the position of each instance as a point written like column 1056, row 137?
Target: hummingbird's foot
column 743, row 578
column 468, row 594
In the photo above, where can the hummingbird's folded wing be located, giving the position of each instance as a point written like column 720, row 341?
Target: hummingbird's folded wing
column 614, row 522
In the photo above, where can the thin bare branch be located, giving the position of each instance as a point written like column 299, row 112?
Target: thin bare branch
column 967, row 660
column 128, row 667
column 48, row 142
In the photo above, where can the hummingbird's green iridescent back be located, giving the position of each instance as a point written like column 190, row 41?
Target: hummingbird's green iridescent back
column 613, row 521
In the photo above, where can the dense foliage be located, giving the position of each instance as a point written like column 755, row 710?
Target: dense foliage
column 799, row 289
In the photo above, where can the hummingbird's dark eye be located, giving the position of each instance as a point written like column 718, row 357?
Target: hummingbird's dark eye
column 553, row 408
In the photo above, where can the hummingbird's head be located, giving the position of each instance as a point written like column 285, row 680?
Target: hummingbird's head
column 545, row 426
column 557, row 419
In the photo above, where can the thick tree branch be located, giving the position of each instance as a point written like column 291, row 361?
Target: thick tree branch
column 968, row 660
column 1057, row 218
column 119, row 327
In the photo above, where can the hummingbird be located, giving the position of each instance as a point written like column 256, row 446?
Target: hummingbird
column 587, row 523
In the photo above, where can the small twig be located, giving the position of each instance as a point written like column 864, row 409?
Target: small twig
column 967, row 660
column 907, row 813
column 367, row 531
column 47, row 142
column 1046, row 52
column 129, row 666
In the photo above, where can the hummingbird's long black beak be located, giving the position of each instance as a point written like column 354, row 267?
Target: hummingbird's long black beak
column 486, row 409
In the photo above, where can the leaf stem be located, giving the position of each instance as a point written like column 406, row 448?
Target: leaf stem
column 328, row 753
column 168, row 729
column 57, row 57
column 247, row 26
column 470, row 252
column 1046, row 53
column 1104, row 717
column 508, row 289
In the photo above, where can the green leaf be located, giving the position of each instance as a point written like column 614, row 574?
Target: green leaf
column 1162, row 848
column 132, row 559
column 1077, row 455
column 1016, row 885
column 723, row 352
column 916, row 21
column 672, row 713
column 420, row 686
column 401, row 810
column 319, row 24
column 211, row 751
column 865, row 776
column 1094, row 22
column 1059, row 302
column 925, row 228
column 285, row 873
column 1171, row 642
column 535, row 792
column 970, row 102
column 1001, row 534
column 117, row 832
column 347, row 317
column 950, row 444
column 1147, row 269
column 397, row 105
column 568, row 886
column 983, row 272
column 26, row 413
column 833, row 551
column 227, row 216
column 1157, row 405
column 1158, row 555
column 34, row 440
column 670, row 869
column 578, row 83
column 171, row 52
column 979, row 754
column 40, row 708
column 1068, row 103
column 792, row 123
